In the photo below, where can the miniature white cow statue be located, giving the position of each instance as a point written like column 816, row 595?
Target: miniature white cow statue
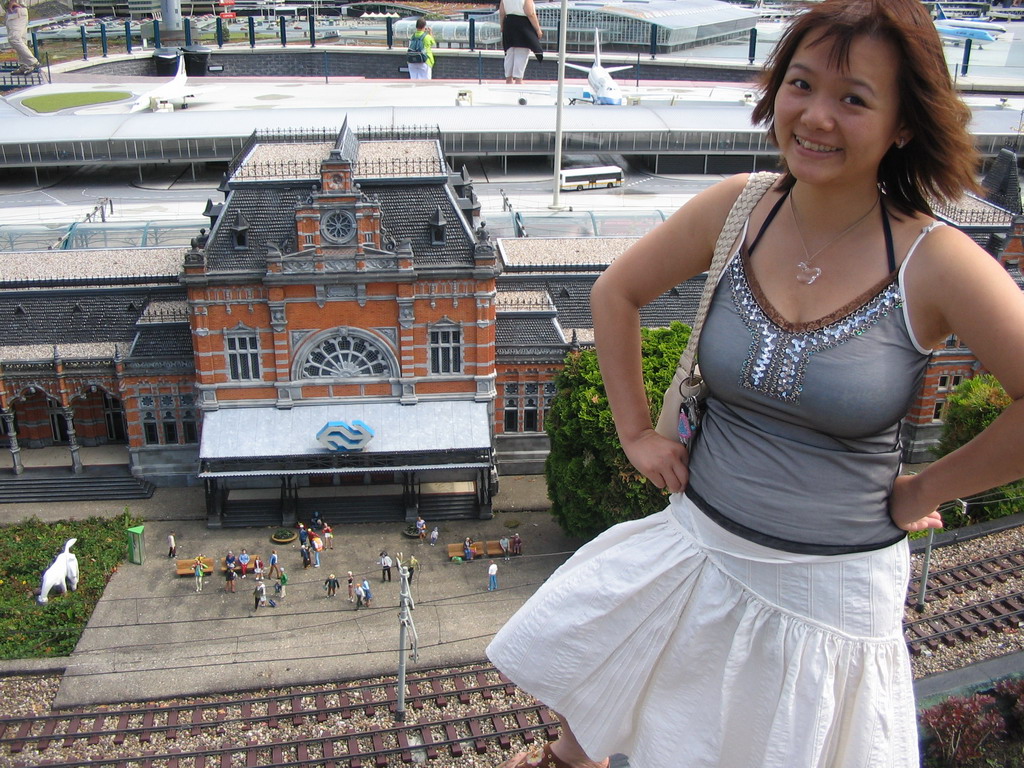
column 62, row 573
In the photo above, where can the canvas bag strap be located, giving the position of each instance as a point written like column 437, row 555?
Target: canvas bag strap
column 755, row 188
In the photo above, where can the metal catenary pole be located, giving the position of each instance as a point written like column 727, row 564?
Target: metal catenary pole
column 406, row 628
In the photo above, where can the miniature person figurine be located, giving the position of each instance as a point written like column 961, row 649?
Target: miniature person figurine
column 328, row 533
column 273, row 564
column 421, row 527
column 243, row 562
column 331, row 585
column 433, row 536
column 197, row 569
column 172, row 546
column 492, row 576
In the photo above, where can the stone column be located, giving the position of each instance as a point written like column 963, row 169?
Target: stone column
column 76, row 460
column 12, row 436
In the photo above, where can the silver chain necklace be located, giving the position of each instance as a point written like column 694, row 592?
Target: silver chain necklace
column 806, row 273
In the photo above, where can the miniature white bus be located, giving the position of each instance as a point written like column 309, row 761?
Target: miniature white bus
column 588, row 178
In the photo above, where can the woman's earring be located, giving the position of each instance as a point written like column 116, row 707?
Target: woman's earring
column 900, row 142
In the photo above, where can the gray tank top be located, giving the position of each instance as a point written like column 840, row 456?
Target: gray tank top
column 800, row 444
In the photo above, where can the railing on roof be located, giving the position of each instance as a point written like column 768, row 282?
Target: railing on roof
column 986, row 214
column 156, row 315
column 281, row 136
column 277, row 169
column 377, row 168
column 400, row 133
column 400, row 167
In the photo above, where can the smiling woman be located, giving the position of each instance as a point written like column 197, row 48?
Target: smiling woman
column 55, row 102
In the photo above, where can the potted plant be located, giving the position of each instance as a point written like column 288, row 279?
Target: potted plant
column 283, row 536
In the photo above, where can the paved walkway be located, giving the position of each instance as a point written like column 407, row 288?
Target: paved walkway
column 153, row 636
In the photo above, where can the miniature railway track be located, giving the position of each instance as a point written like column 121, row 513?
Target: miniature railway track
column 150, row 733
column 965, row 624
column 986, row 572
column 975, row 618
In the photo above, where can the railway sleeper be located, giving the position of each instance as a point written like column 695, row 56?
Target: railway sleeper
column 450, row 734
column 427, row 735
column 119, row 737
column 551, row 725
column 354, row 760
column 479, row 743
column 524, row 725
column 97, row 726
column 380, row 759
column 48, row 729
column 403, row 742
column 328, row 748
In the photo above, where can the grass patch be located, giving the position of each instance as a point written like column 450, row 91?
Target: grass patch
column 30, row 630
column 54, row 102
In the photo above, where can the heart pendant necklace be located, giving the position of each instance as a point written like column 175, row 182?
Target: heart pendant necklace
column 806, row 272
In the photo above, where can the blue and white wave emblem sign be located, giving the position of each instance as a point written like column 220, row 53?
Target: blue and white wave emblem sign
column 342, row 436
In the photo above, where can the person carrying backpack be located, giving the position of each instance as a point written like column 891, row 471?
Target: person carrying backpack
column 420, row 54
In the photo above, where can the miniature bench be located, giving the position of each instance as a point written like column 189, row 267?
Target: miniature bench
column 238, row 566
column 456, row 550
column 185, row 567
column 494, row 549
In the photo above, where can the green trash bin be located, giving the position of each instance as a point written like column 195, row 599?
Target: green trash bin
column 136, row 545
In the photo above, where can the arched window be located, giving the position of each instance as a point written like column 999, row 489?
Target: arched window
column 170, row 424
column 149, row 430
column 344, row 356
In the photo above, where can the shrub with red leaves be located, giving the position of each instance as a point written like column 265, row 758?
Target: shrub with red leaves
column 961, row 725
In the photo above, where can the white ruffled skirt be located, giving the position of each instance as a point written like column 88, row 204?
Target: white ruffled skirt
column 681, row 645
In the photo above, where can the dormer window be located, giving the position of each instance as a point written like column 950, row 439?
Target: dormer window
column 240, row 232
column 437, row 227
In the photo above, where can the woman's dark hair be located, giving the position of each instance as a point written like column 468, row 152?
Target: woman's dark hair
column 940, row 161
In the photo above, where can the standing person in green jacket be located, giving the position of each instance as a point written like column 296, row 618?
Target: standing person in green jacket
column 420, row 55
column 282, row 582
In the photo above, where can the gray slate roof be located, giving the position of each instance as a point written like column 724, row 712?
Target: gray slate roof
column 407, row 211
column 168, row 340
column 571, row 297
column 270, row 215
column 72, row 316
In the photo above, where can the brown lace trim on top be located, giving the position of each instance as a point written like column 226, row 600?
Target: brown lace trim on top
column 812, row 325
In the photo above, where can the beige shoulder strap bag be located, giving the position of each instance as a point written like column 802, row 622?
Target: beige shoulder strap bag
column 684, row 401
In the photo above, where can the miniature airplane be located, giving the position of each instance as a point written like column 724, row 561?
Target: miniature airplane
column 174, row 93
column 603, row 88
column 167, row 96
column 957, row 34
column 985, row 26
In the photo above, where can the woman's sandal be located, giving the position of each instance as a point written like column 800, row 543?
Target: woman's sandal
column 537, row 756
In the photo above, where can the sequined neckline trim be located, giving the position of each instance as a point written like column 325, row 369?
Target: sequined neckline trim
column 846, row 310
column 776, row 362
